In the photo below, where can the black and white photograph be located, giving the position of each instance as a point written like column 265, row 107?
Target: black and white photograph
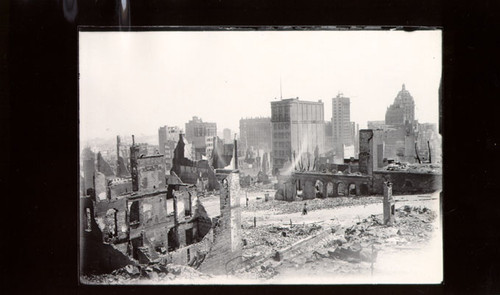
column 273, row 156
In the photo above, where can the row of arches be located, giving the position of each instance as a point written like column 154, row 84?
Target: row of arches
column 334, row 189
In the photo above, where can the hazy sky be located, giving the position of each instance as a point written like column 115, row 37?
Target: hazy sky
column 134, row 82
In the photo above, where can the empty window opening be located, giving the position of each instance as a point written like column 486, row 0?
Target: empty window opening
column 111, row 225
column 134, row 213
column 363, row 189
column 329, row 189
column 318, row 186
column 173, row 242
column 352, row 189
column 189, row 236
column 341, row 189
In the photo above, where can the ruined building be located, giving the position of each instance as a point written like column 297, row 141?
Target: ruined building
column 121, row 166
column 368, row 180
column 147, row 226
column 89, row 168
column 371, row 150
column 138, row 226
column 190, row 171
column 222, row 154
column 103, row 166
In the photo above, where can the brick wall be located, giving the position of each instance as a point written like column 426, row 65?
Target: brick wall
column 406, row 182
column 202, row 248
column 151, row 172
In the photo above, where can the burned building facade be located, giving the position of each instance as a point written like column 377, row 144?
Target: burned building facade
column 137, row 226
column 190, row 171
column 367, row 180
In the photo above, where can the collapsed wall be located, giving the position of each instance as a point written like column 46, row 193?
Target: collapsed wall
column 96, row 256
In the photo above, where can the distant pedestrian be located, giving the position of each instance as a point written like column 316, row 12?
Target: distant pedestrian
column 304, row 211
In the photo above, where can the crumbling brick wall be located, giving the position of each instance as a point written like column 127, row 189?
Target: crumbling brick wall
column 120, row 187
column 152, row 212
column 151, row 172
column 407, row 182
column 365, row 161
column 225, row 253
column 331, row 183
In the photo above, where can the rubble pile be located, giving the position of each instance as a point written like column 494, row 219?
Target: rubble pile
column 263, row 272
column 418, row 168
column 265, row 240
column 360, row 243
column 280, row 207
column 132, row 274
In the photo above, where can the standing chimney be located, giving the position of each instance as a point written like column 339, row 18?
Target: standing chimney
column 235, row 153
column 118, row 172
column 134, row 153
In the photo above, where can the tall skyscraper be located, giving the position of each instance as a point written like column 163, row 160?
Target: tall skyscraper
column 297, row 129
column 342, row 125
column 341, row 120
column 400, row 128
column 402, row 110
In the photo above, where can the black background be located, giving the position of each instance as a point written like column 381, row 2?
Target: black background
column 39, row 122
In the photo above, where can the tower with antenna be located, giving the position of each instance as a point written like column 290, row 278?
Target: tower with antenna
column 281, row 93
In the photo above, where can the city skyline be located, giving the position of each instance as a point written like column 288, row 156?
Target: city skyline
column 135, row 83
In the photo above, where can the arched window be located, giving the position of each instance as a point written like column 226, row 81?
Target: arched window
column 318, row 186
column 363, row 189
column 329, row 189
column 352, row 189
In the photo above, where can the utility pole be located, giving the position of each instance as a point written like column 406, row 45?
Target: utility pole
column 429, row 147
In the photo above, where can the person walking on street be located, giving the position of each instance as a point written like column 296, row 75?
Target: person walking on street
column 304, row 211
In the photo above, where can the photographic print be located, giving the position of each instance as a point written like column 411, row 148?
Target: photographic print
column 228, row 156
